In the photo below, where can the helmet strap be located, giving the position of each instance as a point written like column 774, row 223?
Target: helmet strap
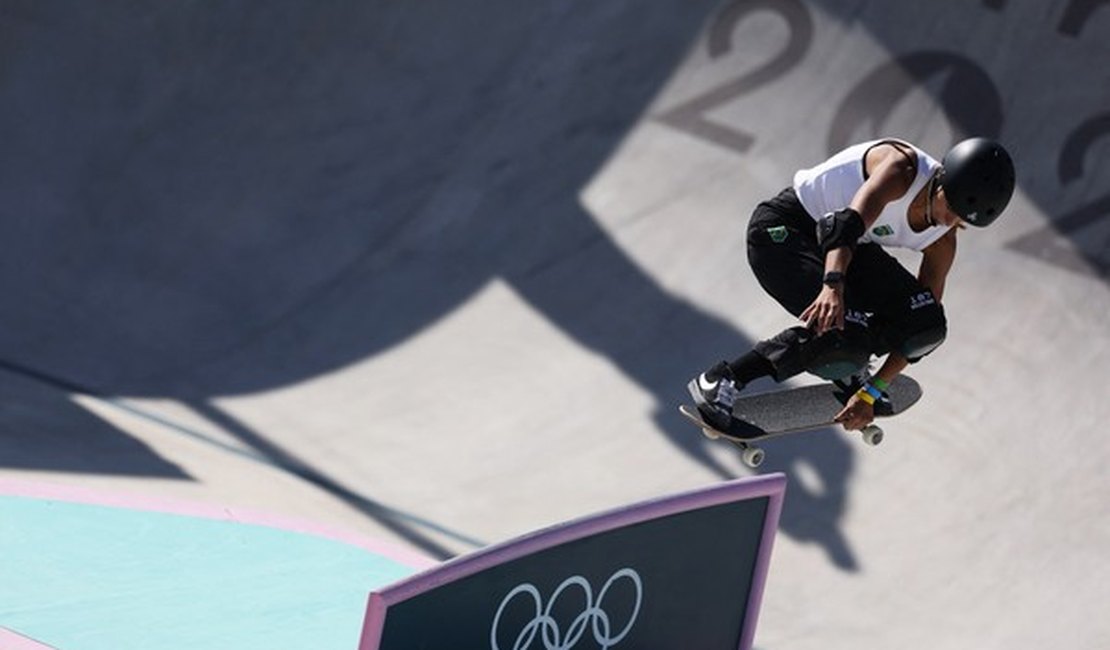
column 930, row 193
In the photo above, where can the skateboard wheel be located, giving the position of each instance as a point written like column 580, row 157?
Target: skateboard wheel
column 752, row 457
column 872, row 435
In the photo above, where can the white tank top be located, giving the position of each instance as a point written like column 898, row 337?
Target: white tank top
column 831, row 185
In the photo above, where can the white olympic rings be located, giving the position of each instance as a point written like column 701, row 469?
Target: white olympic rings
column 593, row 616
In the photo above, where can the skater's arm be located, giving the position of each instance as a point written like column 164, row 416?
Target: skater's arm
column 935, row 265
column 893, row 366
column 827, row 311
column 890, row 174
column 936, row 262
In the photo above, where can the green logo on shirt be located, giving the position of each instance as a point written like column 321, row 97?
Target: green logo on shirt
column 882, row 231
column 778, row 234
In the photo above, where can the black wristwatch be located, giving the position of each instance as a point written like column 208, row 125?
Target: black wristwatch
column 833, row 278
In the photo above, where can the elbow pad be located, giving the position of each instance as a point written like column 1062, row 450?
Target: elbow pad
column 839, row 229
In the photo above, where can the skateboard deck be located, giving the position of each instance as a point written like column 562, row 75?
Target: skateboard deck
column 805, row 408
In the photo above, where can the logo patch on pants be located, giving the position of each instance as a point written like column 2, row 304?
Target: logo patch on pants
column 923, row 299
column 861, row 318
column 778, row 234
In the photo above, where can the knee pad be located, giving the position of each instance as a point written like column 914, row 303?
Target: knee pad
column 851, row 349
column 924, row 330
column 919, row 345
column 838, row 364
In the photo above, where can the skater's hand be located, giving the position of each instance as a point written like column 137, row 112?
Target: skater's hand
column 827, row 311
column 856, row 414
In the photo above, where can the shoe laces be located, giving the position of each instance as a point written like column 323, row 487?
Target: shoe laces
column 727, row 393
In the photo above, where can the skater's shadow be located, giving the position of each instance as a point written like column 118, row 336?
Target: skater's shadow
column 817, row 502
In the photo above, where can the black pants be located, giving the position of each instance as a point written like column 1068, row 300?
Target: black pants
column 887, row 308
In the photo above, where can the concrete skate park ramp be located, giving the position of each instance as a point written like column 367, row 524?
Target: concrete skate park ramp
column 439, row 272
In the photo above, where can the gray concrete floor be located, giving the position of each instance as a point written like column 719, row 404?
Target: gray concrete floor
column 438, row 275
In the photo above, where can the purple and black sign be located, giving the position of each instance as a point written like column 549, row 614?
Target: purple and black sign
column 678, row 572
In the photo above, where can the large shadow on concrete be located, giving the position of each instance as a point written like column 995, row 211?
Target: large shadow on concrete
column 43, row 428
column 201, row 200
column 204, row 200
column 299, row 186
column 296, row 186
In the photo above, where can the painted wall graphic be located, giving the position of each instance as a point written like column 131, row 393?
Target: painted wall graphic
column 101, row 570
column 685, row 571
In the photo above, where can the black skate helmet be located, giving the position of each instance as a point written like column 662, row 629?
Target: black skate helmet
column 978, row 180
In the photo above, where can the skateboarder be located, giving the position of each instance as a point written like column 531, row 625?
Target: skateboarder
column 818, row 249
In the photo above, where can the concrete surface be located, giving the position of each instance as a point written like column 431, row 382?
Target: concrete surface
column 439, row 271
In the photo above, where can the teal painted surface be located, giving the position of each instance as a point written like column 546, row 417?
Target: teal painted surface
column 85, row 577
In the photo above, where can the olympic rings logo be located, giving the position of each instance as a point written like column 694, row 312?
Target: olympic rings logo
column 593, row 617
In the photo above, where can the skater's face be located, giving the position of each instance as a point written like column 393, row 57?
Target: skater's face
column 942, row 213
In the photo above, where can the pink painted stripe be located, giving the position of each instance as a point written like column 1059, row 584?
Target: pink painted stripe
column 10, row 640
column 145, row 503
column 763, row 562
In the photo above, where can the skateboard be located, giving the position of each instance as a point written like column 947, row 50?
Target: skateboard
column 804, row 408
